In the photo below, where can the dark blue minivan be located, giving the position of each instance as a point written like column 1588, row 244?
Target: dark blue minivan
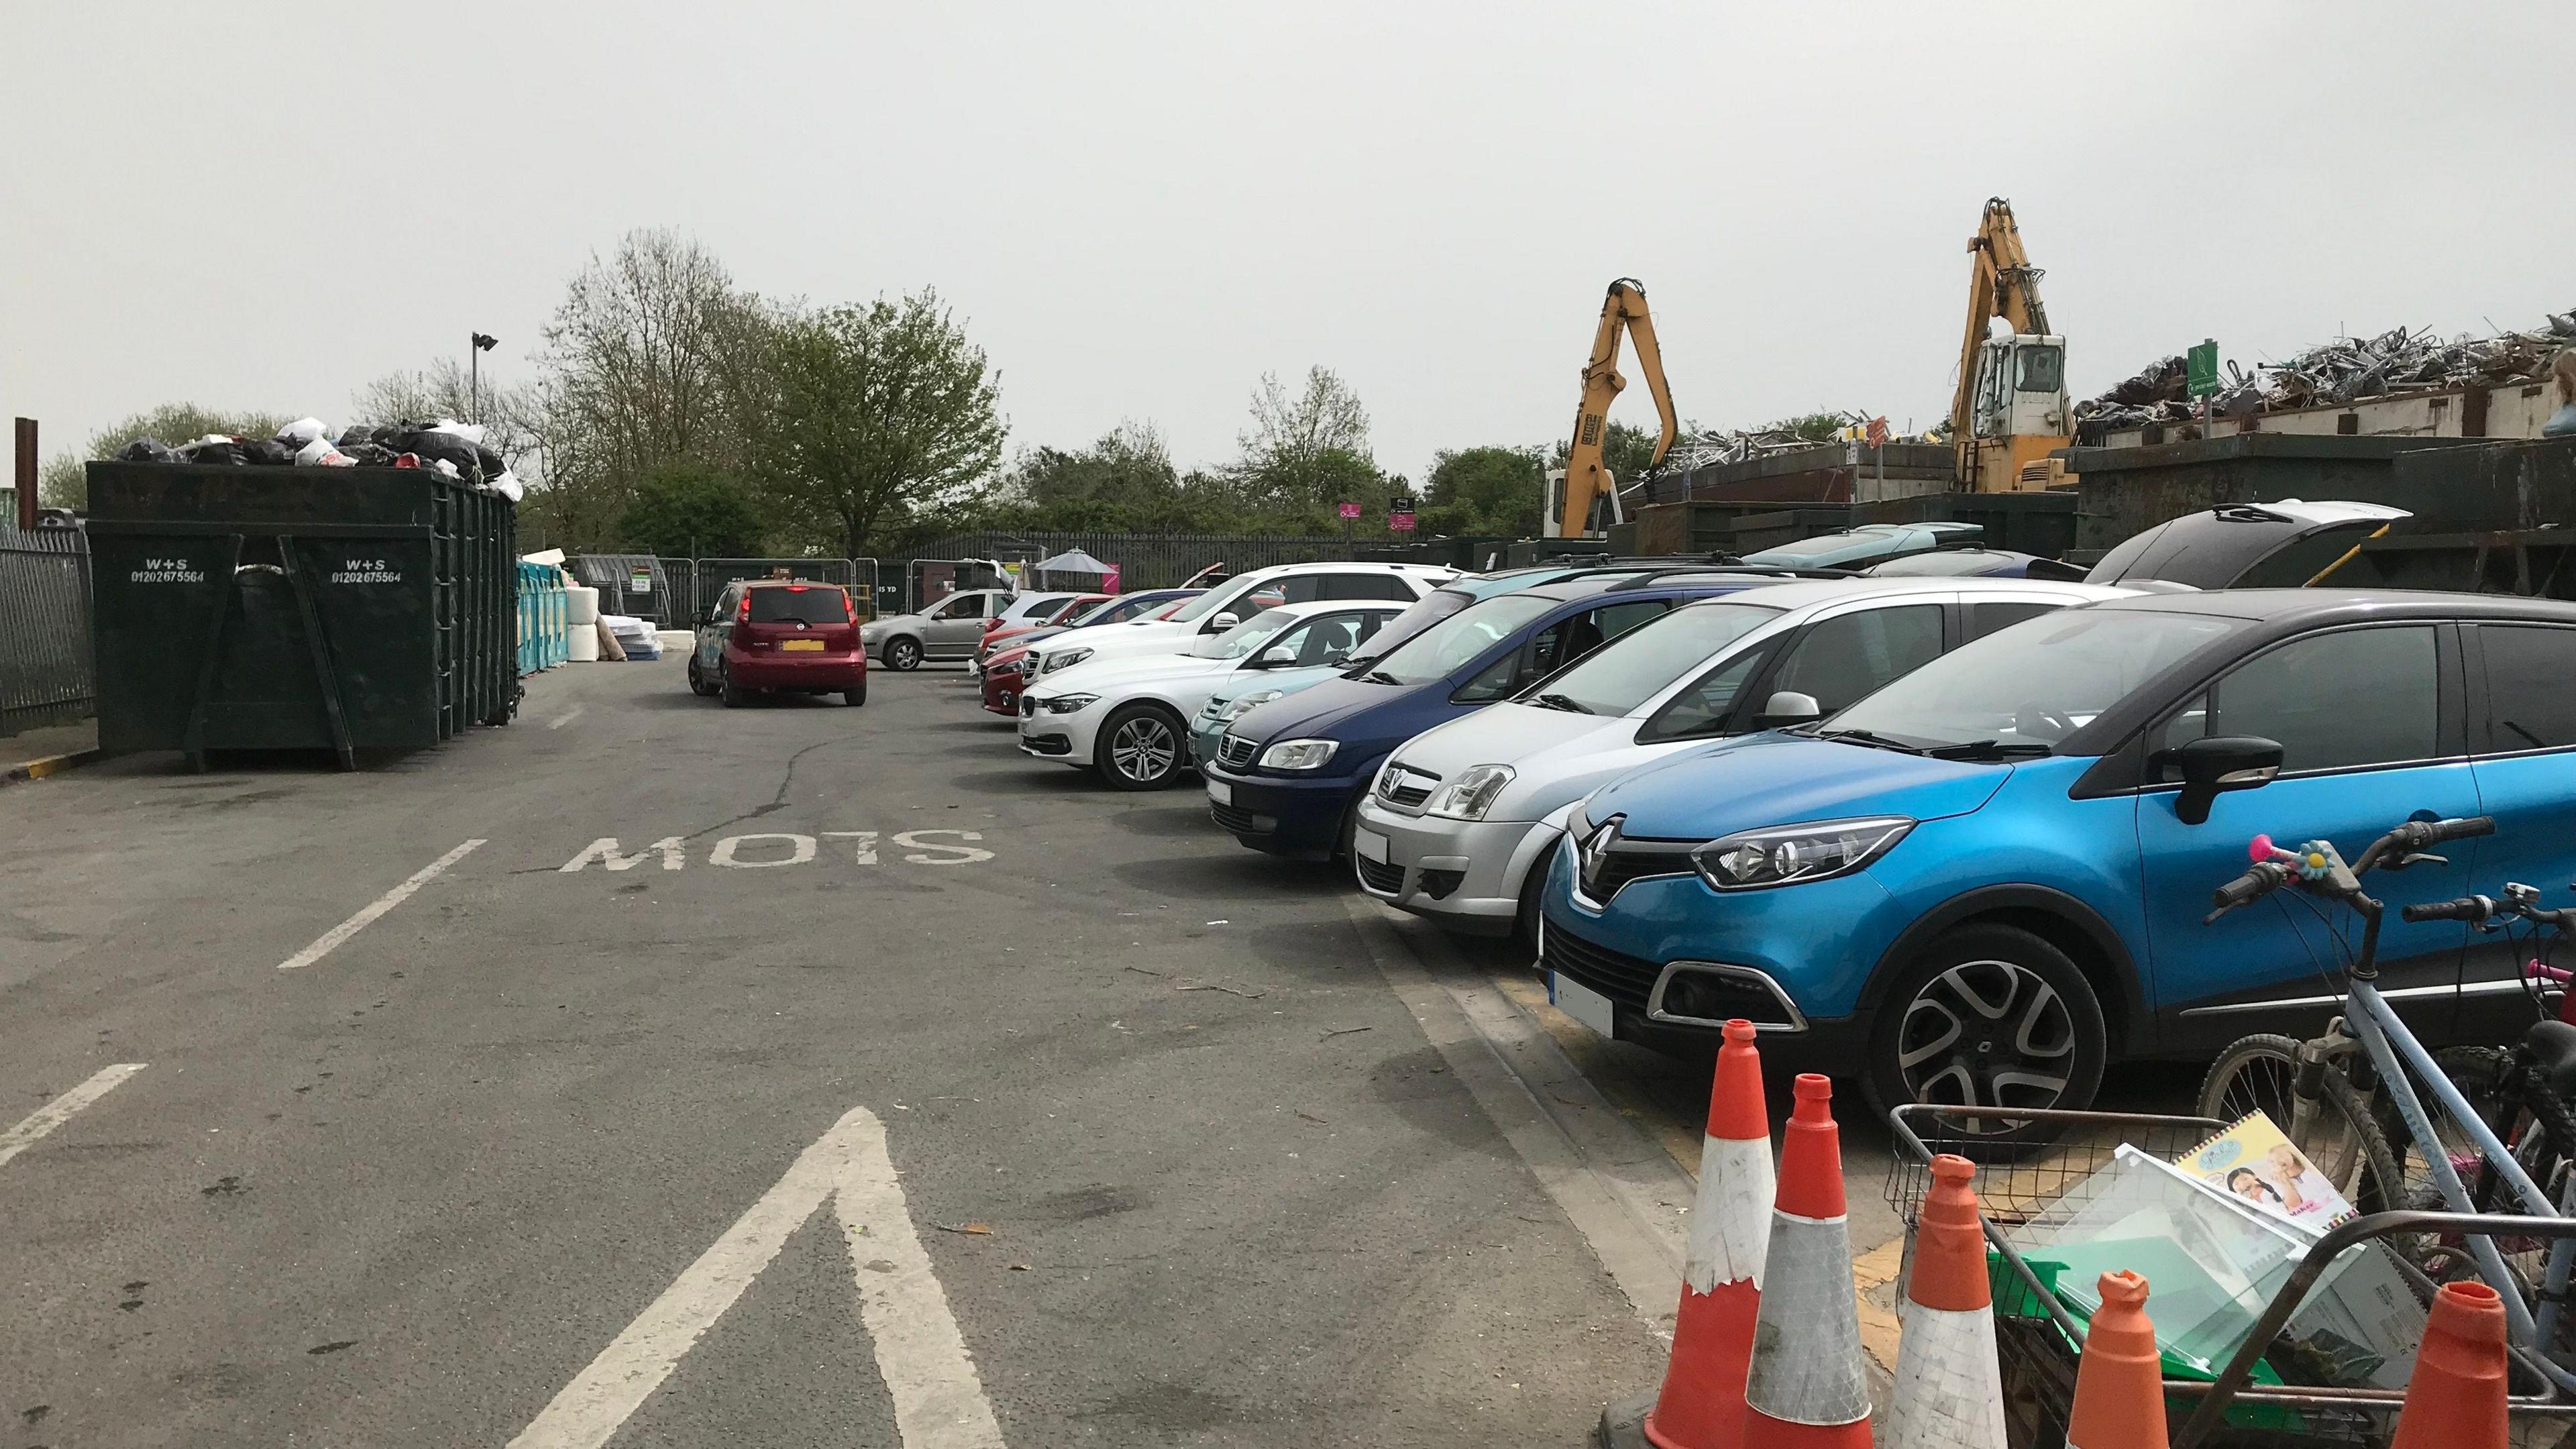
column 1288, row 776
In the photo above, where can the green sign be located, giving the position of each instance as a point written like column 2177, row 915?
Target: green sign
column 2200, row 369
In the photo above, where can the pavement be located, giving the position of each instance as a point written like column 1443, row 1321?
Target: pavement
column 36, row 753
column 651, row 1073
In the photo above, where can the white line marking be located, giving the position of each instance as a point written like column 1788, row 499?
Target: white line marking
column 567, row 717
column 332, row 938
column 939, row 1400
column 58, row 1111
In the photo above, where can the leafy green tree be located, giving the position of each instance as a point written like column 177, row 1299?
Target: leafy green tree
column 1626, row 449
column 62, row 484
column 685, row 508
column 875, row 417
column 1484, row 490
column 1125, row 482
column 1305, row 453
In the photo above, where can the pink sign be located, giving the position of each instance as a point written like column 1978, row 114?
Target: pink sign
column 1350, row 510
column 1109, row 580
column 1400, row 522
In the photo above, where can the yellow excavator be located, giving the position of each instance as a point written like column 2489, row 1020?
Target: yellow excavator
column 2011, row 409
column 1585, row 484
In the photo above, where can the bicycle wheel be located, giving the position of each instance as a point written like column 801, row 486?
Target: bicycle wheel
column 2535, row 1126
column 2252, row 1075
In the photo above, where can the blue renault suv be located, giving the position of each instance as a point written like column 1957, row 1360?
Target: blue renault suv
column 1988, row 879
column 1287, row 777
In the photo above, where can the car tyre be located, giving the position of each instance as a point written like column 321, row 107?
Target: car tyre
column 903, row 655
column 1989, row 1016
column 698, row 679
column 735, row 696
column 1141, row 748
column 855, row 697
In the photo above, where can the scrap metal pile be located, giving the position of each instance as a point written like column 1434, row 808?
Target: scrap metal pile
column 2337, row 374
column 1742, row 445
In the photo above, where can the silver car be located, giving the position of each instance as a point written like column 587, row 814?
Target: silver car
column 949, row 629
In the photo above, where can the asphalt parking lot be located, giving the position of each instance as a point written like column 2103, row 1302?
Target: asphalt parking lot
column 654, row 1073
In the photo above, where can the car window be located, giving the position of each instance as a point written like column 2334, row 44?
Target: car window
column 964, row 606
column 1985, row 616
column 1627, row 671
column 2333, row 701
column 1703, row 708
column 821, row 605
column 1851, row 655
column 728, row 602
column 1577, row 635
column 1325, row 639
column 2294, row 564
column 1446, row 646
column 1239, row 641
column 2530, row 705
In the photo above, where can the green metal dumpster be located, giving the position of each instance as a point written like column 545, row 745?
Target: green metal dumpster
column 262, row 608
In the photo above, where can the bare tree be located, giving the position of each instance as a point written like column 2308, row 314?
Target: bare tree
column 445, row 389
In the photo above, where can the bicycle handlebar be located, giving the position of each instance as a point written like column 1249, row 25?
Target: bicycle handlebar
column 2260, row 881
column 2472, row 909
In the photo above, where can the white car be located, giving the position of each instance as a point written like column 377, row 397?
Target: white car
column 1462, row 818
column 1127, row 718
column 1235, row 600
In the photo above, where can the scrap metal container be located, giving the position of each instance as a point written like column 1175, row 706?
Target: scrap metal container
column 299, row 608
column 2125, row 491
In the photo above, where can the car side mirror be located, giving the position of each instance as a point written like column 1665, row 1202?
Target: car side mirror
column 1223, row 621
column 1786, row 708
column 1279, row 658
column 2212, row 767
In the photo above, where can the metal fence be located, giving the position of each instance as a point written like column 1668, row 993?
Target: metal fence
column 696, row 583
column 45, row 674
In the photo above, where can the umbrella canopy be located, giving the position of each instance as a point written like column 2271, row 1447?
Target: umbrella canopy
column 1074, row 561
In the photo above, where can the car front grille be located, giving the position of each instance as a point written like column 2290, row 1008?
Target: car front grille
column 1406, row 786
column 1619, row 867
column 1384, row 877
column 1627, row 980
column 1236, row 752
column 1241, row 822
column 1028, row 706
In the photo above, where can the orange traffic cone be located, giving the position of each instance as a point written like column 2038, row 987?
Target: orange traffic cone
column 2455, row 1400
column 1949, row 1385
column 1702, row 1405
column 1807, row 1387
column 2120, row 1382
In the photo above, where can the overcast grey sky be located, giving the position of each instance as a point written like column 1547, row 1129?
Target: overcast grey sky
column 1139, row 208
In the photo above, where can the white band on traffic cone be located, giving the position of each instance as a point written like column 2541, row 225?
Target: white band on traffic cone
column 1949, row 1390
column 1806, row 1344
column 1730, row 1227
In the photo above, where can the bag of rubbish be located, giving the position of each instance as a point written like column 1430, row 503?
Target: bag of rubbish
column 266, row 452
column 213, row 450
column 145, row 450
column 367, row 455
column 302, row 431
column 317, row 452
column 507, row 484
column 470, row 432
column 434, row 446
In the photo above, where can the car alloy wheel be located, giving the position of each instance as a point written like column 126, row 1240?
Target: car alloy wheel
column 1989, row 1016
column 1986, row 1034
column 903, row 654
column 1143, row 749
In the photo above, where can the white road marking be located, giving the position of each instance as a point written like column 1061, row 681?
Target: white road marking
column 938, row 1398
column 567, row 717
column 332, row 938
column 865, row 852
column 605, row 851
column 800, row 849
column 58, row 1111
column 914, row 840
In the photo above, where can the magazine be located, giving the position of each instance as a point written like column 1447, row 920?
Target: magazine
column 2255, row 1160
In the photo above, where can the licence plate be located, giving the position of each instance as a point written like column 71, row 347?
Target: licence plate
column 1370, row 845
column 1220, row 792
column 801, row 646
column 1580, row 1002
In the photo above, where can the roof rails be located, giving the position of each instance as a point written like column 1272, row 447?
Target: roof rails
column 1767, row 571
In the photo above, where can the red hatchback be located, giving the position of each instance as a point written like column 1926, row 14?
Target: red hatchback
column 800, row 637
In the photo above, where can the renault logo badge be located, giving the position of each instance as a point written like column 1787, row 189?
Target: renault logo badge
column 1596, row 851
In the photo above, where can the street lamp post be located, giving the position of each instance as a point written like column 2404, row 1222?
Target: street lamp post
column 474, row 372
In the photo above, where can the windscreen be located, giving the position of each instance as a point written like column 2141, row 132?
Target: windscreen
column 1421, row 614
column 1440, row 650
column 2034, row 683
column 1243, row 638
column 1632, row 668
column 817, row 605
column 1947, row 563
column 1817, row 550
column 1224, row 593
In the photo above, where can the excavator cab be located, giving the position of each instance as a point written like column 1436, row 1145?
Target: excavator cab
column 1604, row 512
column 2021, row 387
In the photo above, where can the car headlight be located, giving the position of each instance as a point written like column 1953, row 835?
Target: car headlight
column 1298, row 754
column 1792, row 854
column 1069, row 703
column 1473, row 793
column 1064, row 657
column 1243, row 704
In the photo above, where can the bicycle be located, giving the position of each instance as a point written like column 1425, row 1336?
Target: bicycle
column 2352, row 1093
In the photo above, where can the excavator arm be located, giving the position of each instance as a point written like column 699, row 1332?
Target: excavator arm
column 1623, row 311
column 2001, row 283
